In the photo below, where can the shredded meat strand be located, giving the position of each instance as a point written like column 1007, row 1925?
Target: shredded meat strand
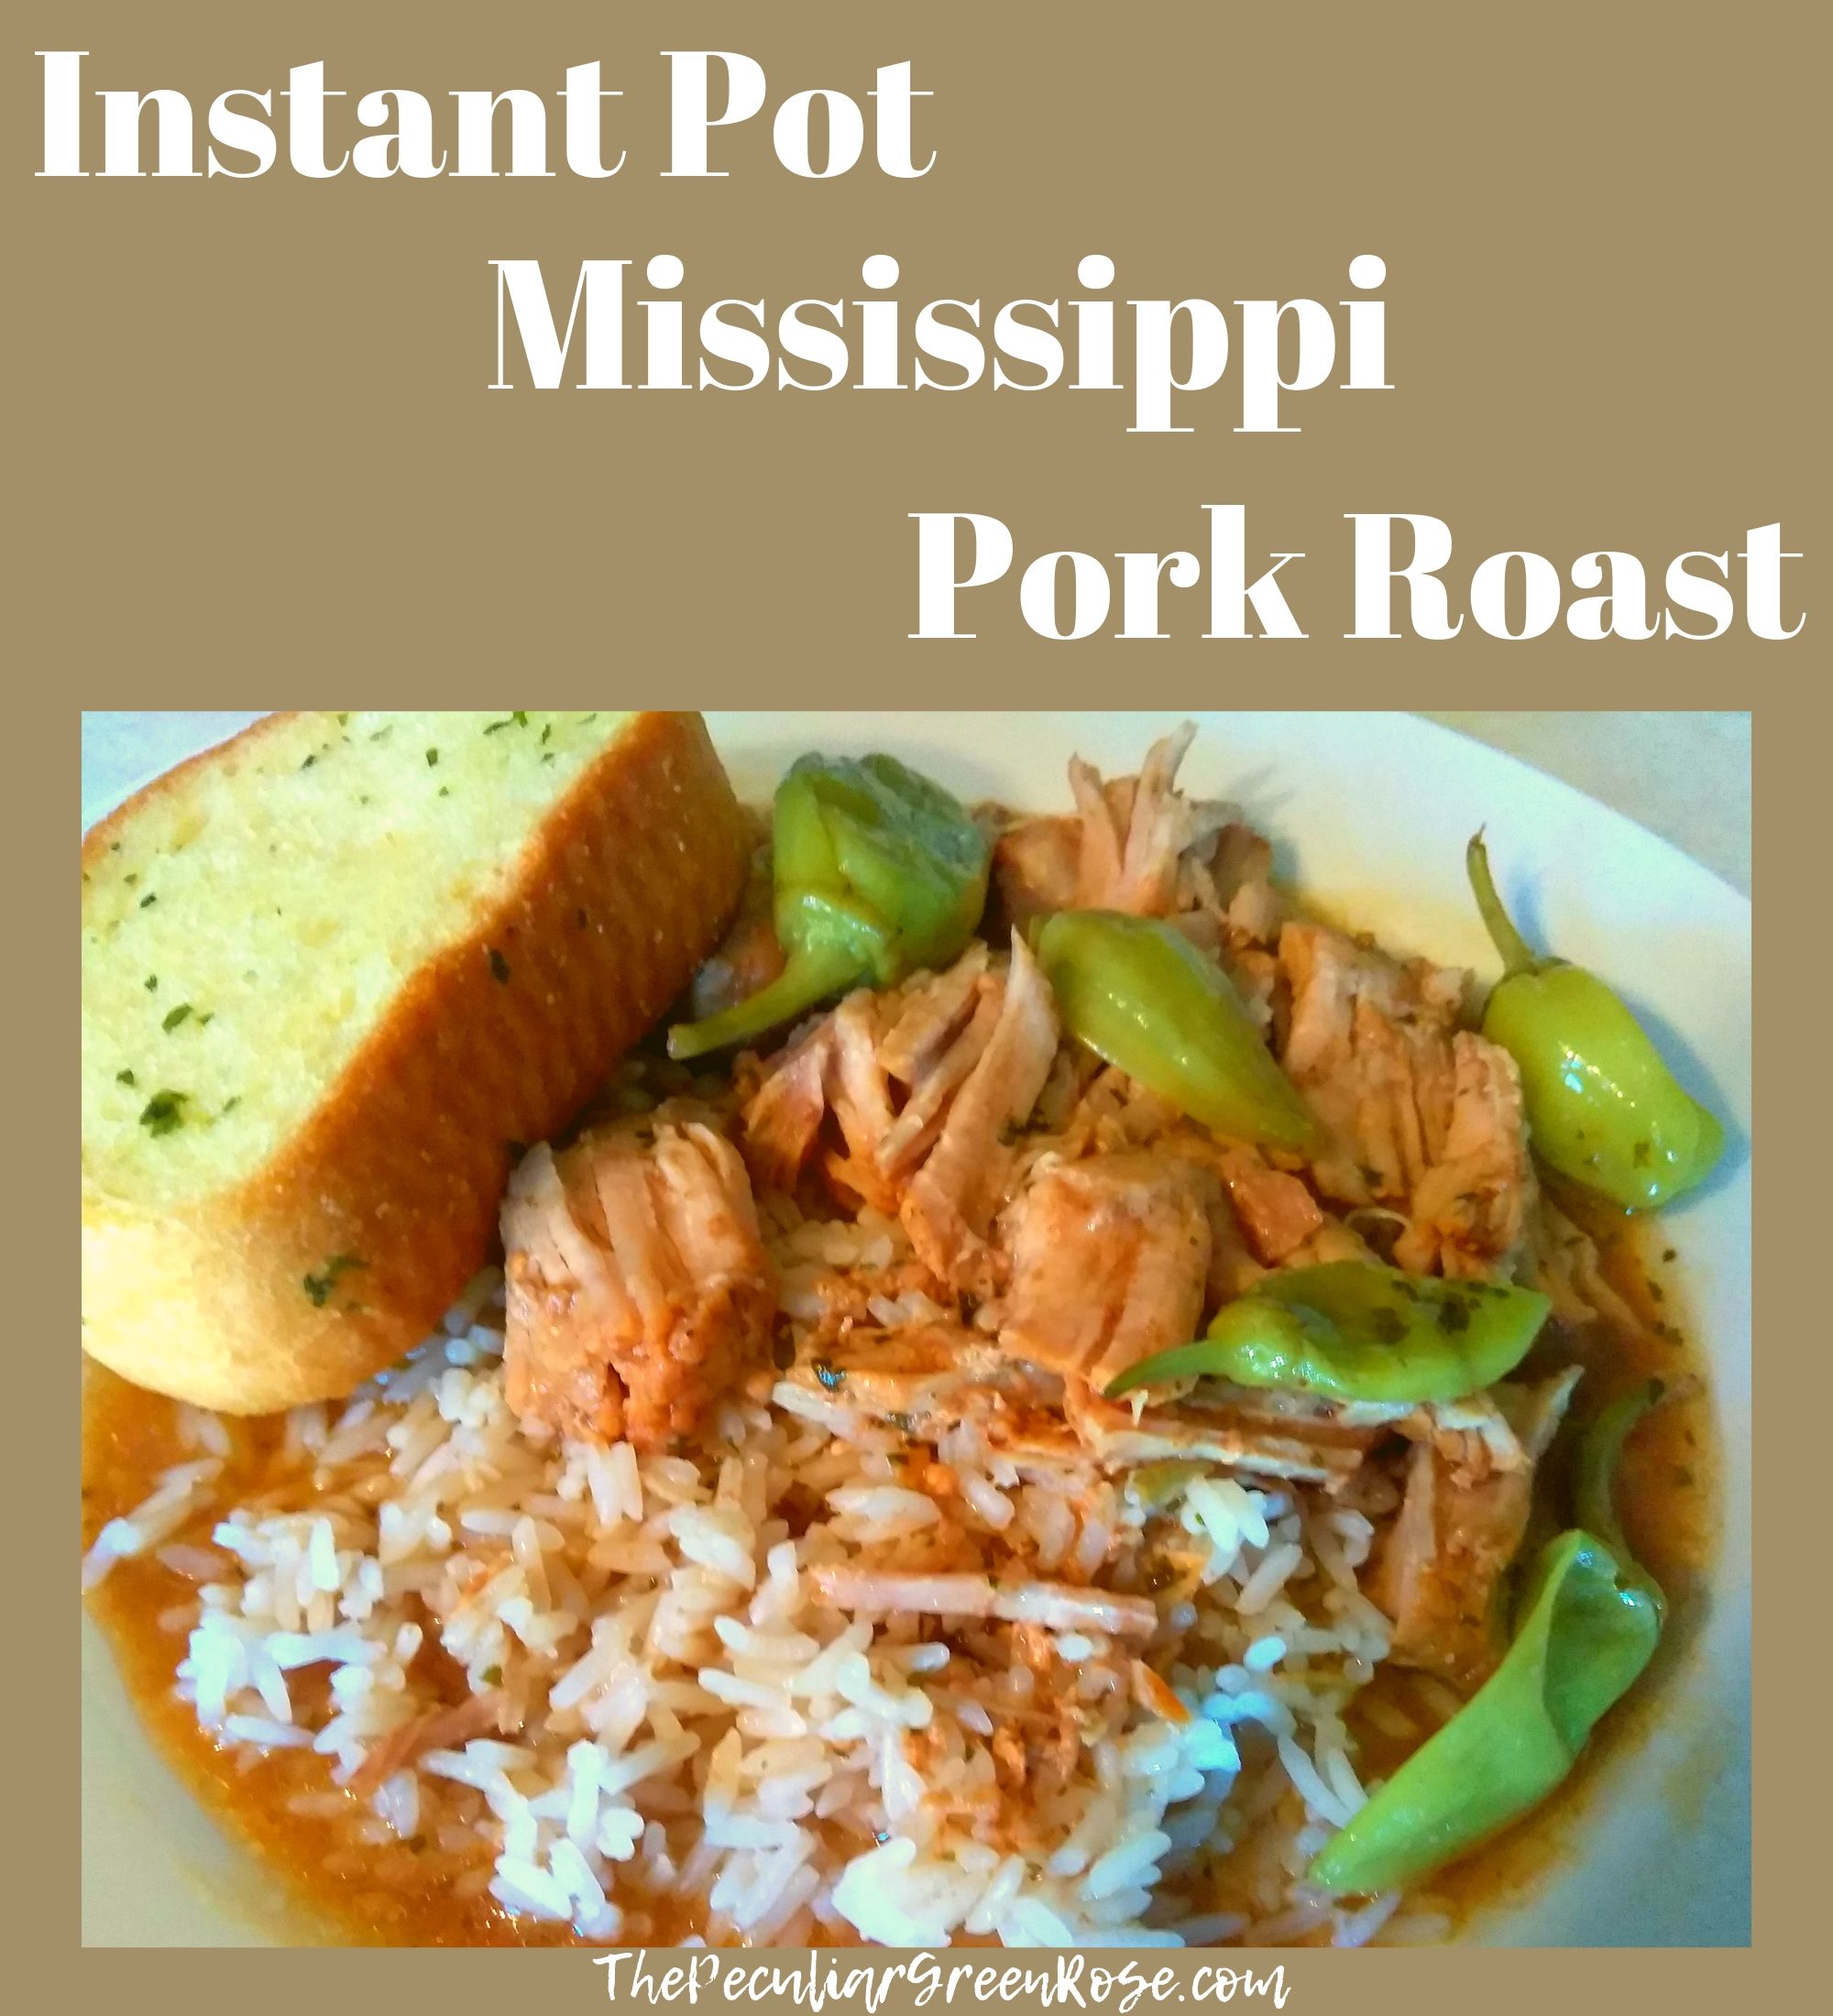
column 1460, row 1528
column 1057, row 1606
column 638, row 1287
column 1109, row 1258
column 952, row 1199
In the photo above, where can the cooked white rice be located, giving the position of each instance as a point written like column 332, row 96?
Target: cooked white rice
column 695, row 1729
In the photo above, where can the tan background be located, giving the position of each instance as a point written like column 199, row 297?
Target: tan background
column 258, row 427
column 254, row 459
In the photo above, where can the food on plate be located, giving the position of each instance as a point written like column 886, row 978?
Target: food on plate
column 638, row 1287
column 1355, row 1329
column 1585, row 1635
column 1587, row 1628
column 877, row 873
column 332, row 972
column 1138, row 992
column 1605, row 1109
column 1069, row 1409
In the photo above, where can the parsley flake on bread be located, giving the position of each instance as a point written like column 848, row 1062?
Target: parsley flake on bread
column 332, row 971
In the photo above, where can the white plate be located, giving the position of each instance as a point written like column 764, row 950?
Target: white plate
column 1370, row 813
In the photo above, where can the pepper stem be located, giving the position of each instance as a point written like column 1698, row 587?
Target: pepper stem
column 1518, row 956
column 809, row 976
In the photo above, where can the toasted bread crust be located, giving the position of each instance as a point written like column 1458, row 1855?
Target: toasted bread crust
column 233, row 1301
column 170, row 783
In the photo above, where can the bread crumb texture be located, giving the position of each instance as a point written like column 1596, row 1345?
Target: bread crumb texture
column 332, row 971
column 244, row 932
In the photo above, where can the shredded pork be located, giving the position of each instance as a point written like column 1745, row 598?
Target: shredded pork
column 1063, row 1222
column 1056, row 1607
column 1469, row 1495
column 638, row 1284
column 1109, row 1261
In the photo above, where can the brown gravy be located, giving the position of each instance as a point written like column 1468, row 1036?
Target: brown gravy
column 381, row 1896
column 396, row 1892
column 1668, row 1500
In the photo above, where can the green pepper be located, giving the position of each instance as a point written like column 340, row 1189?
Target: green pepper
column 1138, row 992
column 1586, row 1633
column 1588, row 1626
column 1355, row 1329
column 877, row 872
column 1602, row 1106
column 1594, row 1477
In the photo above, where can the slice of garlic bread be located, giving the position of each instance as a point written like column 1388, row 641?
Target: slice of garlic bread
column 334, row 974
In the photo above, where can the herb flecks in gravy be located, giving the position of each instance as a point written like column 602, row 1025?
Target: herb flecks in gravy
column 394, row 1892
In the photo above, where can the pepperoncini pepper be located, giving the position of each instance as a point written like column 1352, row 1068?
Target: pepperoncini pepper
column 1587, row 1628
column 877, row 872
column 1602, row 1106
column 1355, row 1329
column 1594, row 1477
column 1138, row 992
